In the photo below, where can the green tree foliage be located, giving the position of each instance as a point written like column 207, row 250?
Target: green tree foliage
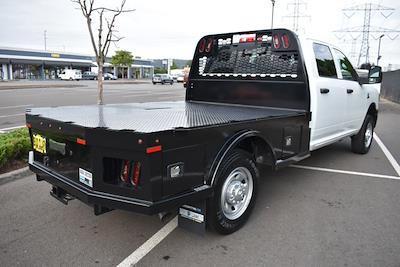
column 174, row 66
column 122, row 59
column 160, row 71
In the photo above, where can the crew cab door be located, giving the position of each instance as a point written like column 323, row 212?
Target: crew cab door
column 329, row 101
column 356, row 97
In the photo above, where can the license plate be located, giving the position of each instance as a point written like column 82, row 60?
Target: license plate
column 85, row 177
column 39, row 143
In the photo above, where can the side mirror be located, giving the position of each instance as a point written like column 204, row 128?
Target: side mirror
column 375, row 75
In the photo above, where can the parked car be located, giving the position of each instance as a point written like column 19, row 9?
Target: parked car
column 163, row 79
column 71, row 74
column 202, row 156
column 181, row 78
column 89, row 75
column 109, row 76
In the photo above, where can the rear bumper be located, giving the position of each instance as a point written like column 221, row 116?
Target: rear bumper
column 112, row 201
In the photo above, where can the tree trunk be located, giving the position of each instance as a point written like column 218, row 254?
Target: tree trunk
column 100, row 83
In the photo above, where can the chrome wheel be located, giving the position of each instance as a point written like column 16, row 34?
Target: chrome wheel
column 368, row 135
column 236, row 194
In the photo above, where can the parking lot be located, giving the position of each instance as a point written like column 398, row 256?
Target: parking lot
column 335, row 208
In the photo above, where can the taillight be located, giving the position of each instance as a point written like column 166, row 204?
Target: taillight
column 135, row 174
column 125, row 171
column 276, row 41
column 285, row 41
column 202, row 45
column 130, row 172
column 209, row 45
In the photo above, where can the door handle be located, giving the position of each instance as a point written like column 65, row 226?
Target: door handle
column 350, row 91
column 324, row 90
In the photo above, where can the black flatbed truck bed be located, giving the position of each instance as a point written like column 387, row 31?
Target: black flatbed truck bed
column 154, row 157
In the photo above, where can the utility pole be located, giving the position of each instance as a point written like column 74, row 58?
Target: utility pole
column 45, row 40
column 296, row 13
column 379, row 50
column 367, row 29
column 272, row 20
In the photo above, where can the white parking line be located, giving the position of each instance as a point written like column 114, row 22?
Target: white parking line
column 19, row 106
column 346, row 172
column 151, row 243
column 12, row 115
column 387, row 153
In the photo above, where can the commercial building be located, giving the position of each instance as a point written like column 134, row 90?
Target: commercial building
column 17, row 63
column 35, row 64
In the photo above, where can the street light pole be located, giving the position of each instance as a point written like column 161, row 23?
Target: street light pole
column 379, row 50
column 45, row 39
column 272, row 19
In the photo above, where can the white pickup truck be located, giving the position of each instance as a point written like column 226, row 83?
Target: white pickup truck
column 259, row 97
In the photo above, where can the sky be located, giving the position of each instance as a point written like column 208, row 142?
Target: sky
column 171, row 29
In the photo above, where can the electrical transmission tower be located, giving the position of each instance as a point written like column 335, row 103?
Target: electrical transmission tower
column 296, row 13
column 366, row 30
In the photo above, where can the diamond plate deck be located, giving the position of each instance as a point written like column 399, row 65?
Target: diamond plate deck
column 157, row 116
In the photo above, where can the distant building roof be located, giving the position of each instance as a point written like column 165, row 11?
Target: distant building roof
column 22, row 55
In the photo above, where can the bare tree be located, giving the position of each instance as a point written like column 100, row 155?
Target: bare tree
column 106, row 33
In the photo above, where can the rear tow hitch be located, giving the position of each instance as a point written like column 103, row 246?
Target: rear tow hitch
column 61, row 195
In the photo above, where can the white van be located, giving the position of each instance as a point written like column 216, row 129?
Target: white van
column 71, row 74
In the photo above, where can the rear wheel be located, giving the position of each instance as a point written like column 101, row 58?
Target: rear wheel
column 154, row 83
column 235, row 193
column 361, row 142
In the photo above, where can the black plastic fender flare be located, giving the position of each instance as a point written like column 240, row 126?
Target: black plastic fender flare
column 229, row 146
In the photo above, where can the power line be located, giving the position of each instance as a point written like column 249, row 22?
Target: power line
column 367, row 29
column 297, row 14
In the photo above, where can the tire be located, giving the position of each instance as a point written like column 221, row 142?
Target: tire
column 154, row 83
column 361, row 142
column 171, row 83
column 70, row 78
column 235, row 171
column 162, row 83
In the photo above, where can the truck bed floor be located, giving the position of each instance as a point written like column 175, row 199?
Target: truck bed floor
column 157, row 116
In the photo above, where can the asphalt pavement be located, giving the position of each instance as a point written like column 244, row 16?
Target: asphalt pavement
column 303, row 217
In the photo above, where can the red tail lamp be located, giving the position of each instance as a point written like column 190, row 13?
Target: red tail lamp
column 209, row 45
column 202, row 45
column 276, row 41
column 285, row 41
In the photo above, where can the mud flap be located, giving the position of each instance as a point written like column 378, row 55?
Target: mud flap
column 193, row 217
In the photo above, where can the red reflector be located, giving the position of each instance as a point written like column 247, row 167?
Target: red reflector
column 125, row 171
column 29, row 125
column 81, row 141
column 202, row 45
column 209, row 45
column 285, row 40
column 136, row 174
column 276, row 41
column 153, row 149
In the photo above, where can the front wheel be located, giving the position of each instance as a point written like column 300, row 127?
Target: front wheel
column 235, row 193
column 361, row 142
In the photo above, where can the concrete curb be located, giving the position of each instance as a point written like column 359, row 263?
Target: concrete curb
column 14, row 175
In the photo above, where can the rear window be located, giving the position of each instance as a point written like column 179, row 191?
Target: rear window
column 247, row 55
column 325, row 63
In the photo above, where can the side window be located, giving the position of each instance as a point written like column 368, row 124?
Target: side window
column 325, row 63
column 346, row 68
